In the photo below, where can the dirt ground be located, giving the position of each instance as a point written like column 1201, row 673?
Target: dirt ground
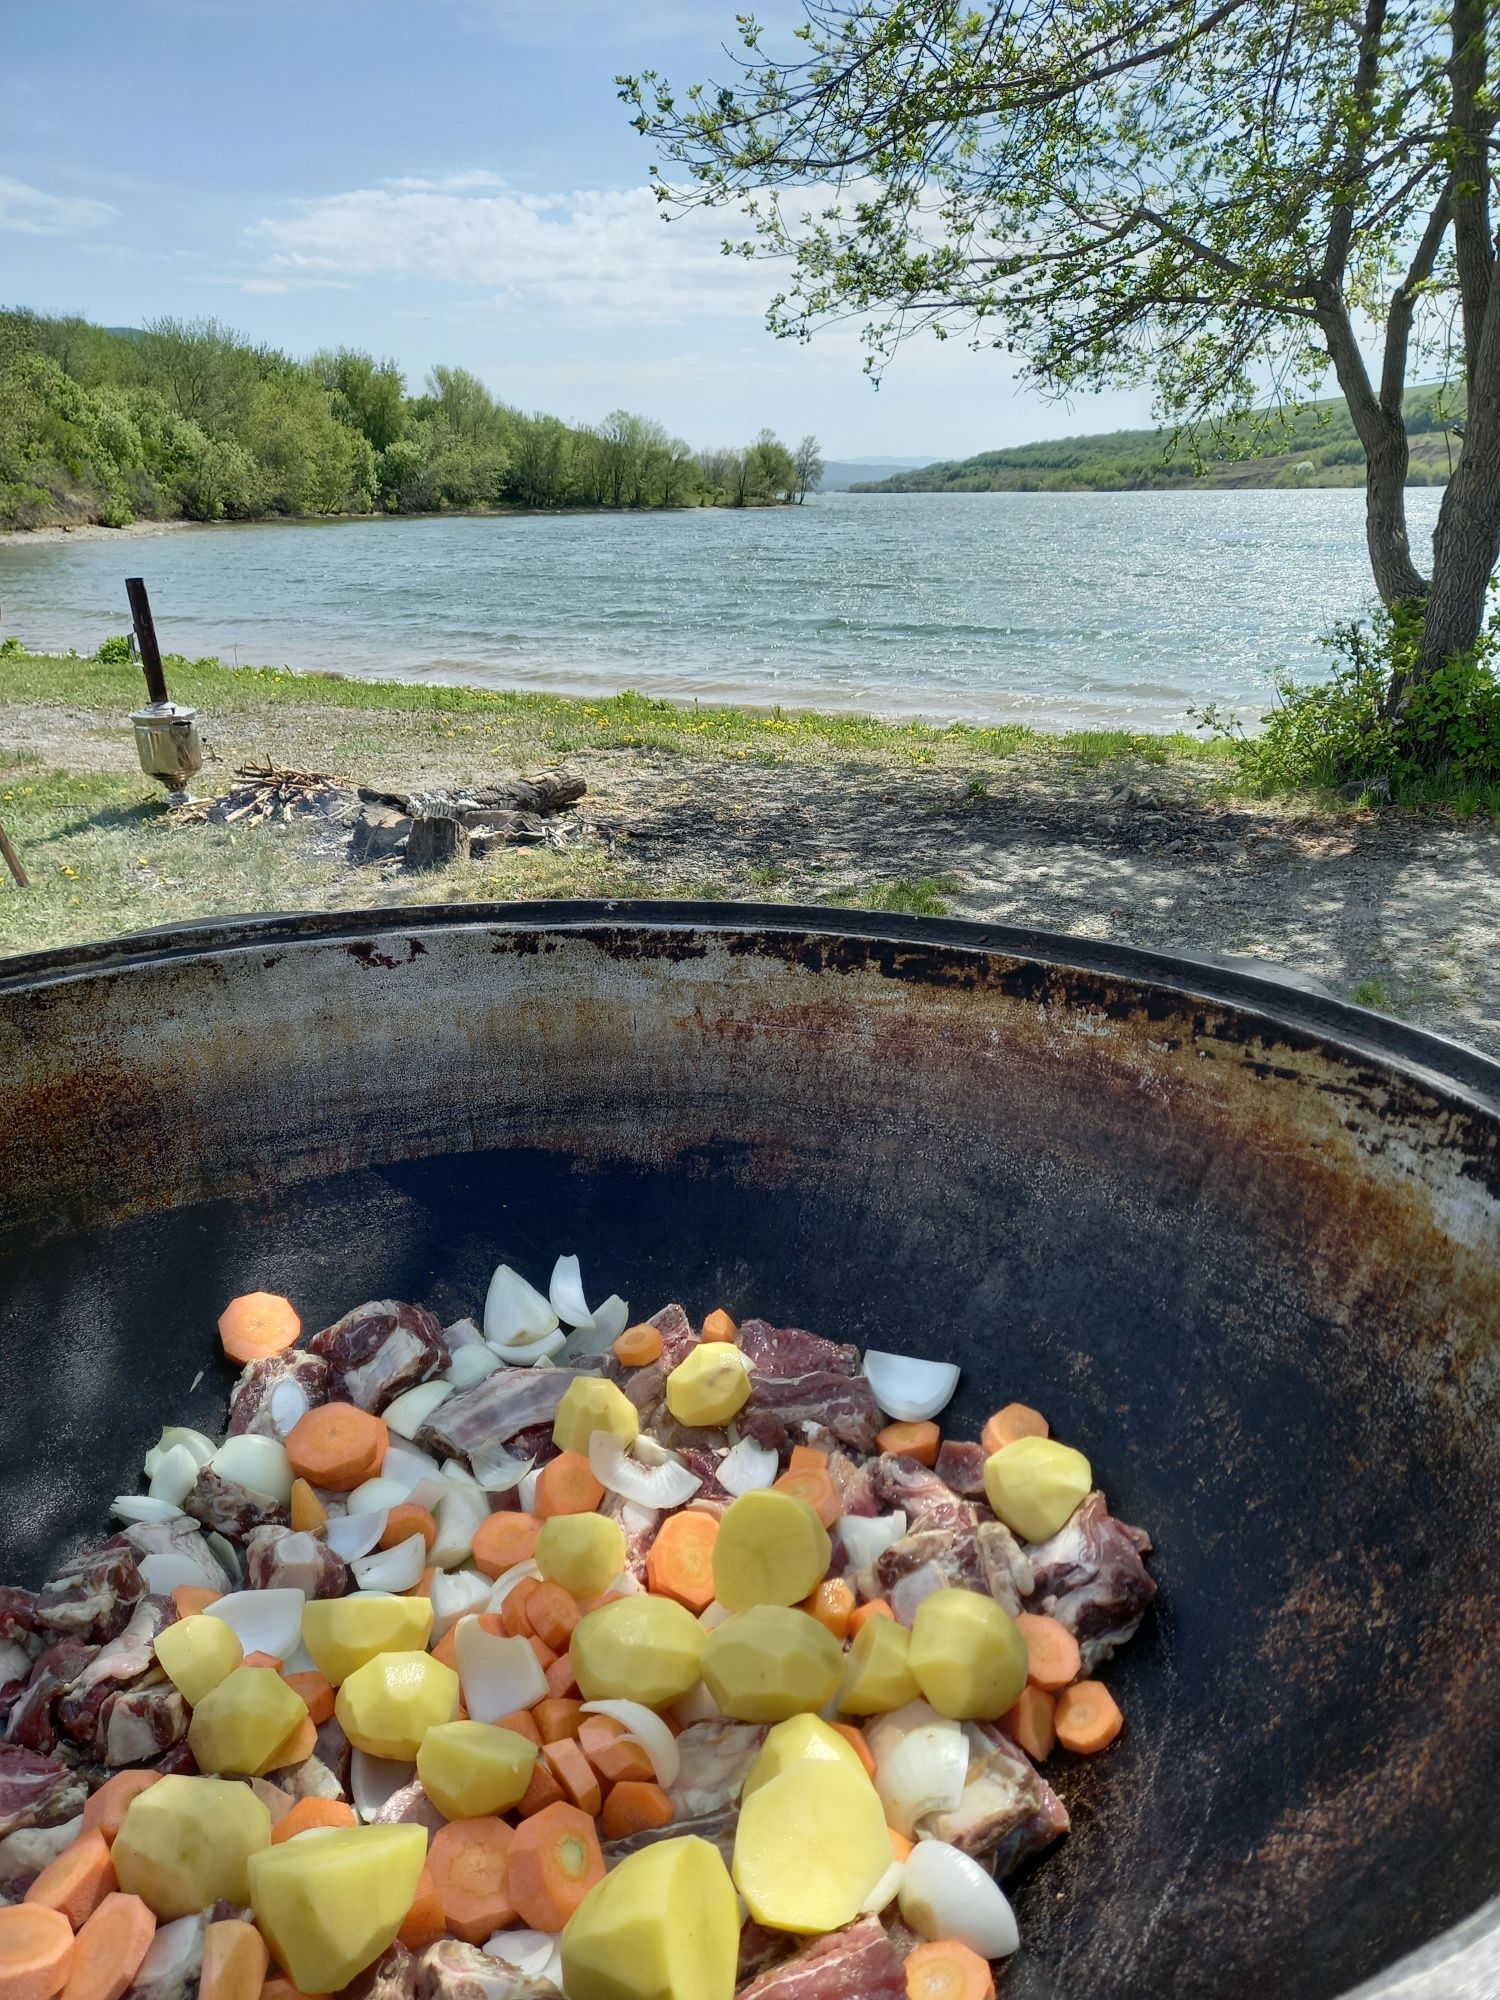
column 1397, row 912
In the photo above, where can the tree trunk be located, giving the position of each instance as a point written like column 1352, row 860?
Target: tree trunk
column 1466, row 546
column 1382, row 432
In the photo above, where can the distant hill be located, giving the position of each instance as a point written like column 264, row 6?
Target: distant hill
column 1313, row 446
column 839, row 474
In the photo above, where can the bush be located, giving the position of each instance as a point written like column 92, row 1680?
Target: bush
column 115, row 652
column 1444, row 745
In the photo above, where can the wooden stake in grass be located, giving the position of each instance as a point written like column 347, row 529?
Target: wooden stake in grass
column 13, row 861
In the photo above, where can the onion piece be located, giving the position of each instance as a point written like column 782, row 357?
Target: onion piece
column 458, row 1473
column 647, row 1485
column 463, row 1333
column 403, row 1461
column 455, row 1594
column 864, row 1538
column 264, row 1621
column 642, row 1725
column 699, row 1706
column 375, row 1780
column 377, row 1495
column 287, row 1405
column 921, row 1764
column 391, row 1571
column 506, row 1582
column 143, row 1507
column 526, row 1491
column 354, row 1535
column 459, row 1513
column 907, row 1388
column 713, row 1615
column 946, row 1894
column 609, row 1322
column 515, row 1311
column 498, row 1470
column 166, row 1571
column 885, row 1892
column 471, row 1365
column 747, row 1467
column 529, row 1952
column 226, row 1555
column 259, row 1463
column 202, row 1448
column 299, row 1660
column 497, row 1675
column 650, row 1451
column 405, row 1414
column 565, row 1293
column 528, row 1353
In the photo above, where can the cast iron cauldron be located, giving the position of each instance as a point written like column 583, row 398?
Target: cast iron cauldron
column 1241, row 1244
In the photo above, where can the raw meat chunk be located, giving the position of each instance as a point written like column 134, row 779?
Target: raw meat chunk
column 379, row 1349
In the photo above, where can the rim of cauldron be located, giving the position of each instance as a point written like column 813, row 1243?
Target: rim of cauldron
column 1459, row 1964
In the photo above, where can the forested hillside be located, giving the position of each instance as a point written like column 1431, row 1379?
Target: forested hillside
column 1314, row 445
column 189, row 420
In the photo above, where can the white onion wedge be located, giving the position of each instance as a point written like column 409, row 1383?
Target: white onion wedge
column 374, row 1780
column 471, row 1365
column 226, row 1555
column 165, row 1572
column 642, row 1725
column 609, row 1322
column 530, row 1353
column 529, row 1952
column 497, row 1675
column 526, row 1491
column 506, row 1582
column 455, row 1594
column 747, row 1467
column 404, row 1461
column 565, row 1293
column 299, row 1660
column 921, row 1764
column 265, row 1621
column 515, row 1311
column 202, row 1448
column 463, row 1333
column 407, row 1413
column 378, row 1496
column 946, row 1894
column 259, row 1463
column 354, row 1535
column 458, row 1473
column 391, row 1571
column 651, row 1452
column 288, row 1404
column 498, row 1470
column 143, row 1507
column 885, row 1892
column 864, row 1538
column 175, row 1476
column 909, row 1389
column 713, row 1615
column 647, row 1485
column 459, row 1514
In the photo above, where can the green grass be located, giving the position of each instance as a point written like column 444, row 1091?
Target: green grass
column 907, row 896
column 1376, row 994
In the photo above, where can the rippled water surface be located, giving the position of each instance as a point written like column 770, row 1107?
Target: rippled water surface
column 1064, row 609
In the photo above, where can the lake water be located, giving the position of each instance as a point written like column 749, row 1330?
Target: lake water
column 1063, row 609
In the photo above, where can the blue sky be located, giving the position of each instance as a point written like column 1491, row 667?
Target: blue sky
column 437, row 180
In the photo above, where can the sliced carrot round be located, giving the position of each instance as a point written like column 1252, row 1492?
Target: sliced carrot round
column 258, row 1325
column 308, row 1813
column 106, row 1808
column 503, row 1540
column 107, row 1952
column 338, row 1446
column 948, row 1971
column 1052, row 1655
column 719, row 1326
column 918, row 1441
column 567, row 1486
column 1016, row 1420
column 681, row 1562
column 813, row 1485
column 469, row 1864
column 405, row 1521
column 36, row 1950
column 553, row 1863
column 638, row 1346
column 1088, row 1718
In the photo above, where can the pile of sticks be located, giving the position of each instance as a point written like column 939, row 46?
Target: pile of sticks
column 269, row 795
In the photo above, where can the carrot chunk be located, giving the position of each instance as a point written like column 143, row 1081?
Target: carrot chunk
column 307, row 1813
column 106, row 1808
column 1088, row 1718
column 256, row 1326
column 308, row 1515
column 262, row 1660
column 948, row 1971
column 1052, row 1655
column 832, row 1604
column 36, row 1951
column 638, row 1346
column 543, row 1791
column 503, row 1540
column 576, row 1775
column 337, row 1446
column 523, row 1722
column 815, row 1487
column 78, row 1881
column 876, row 1608
column 807, row 1458
column 315, row 1691
column 1014, row 1421
column 513, row 1619
column 469, row 1861
column 405, row 1521
column 681, row 1562
column 424, row 1922
column 107, row 1952
column 235, row 1961
column 918, row 1441
column 634, row 1808
column 554, row 1861
column 557, row 1718
column 719, row 1326
column 562, row 1682
column 567, row 1486
column 855, row 1738
column 602, row 1741
column 191, row 1597
column 553, row 1614
column 1033, row 1723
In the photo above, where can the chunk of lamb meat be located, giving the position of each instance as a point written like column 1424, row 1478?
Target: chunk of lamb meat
column 911, row 1570
column 499, row 1408
column 410, row 1806
column 393, row 1976
column 35, row 1790
column 141, row 1722
column 378, row 1350
column 15, row 1671
column 93, row 1597
column 32, row 1721
column 24, row 1855
column 18, row 1620
column 449, row 1970
column 926, row 1500
column 335, row 1752
column 180, row 1537
column 860, row 1963
column 1090, row 1577
column 842, row 1405
column 759, row 1950
column 638, row 1525
column 678, row 1338
column 715, row 1762
column 716, row 1828
column 961, row 1468
column 229, row 1508
column 274, row 1394
column 312, row 1779
column 281, row 1559
column 170, row 1969
column 1008, row 1810
column 80, row 1712
column 787, row 1350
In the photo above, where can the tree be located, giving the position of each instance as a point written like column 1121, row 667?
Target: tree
column 808, row 462
column 1209, row 196
column 772, row 470
column 369, row 395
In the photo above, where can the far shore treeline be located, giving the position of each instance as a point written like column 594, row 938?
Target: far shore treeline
column 186, row 420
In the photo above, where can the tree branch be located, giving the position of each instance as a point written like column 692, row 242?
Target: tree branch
column 1403, row 306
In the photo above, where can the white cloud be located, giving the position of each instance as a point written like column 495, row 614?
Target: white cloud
column 277, row 287
column 33, row 213
column 595, row 253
